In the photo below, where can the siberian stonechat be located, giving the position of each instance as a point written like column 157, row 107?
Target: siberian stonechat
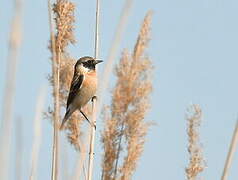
column 83, row 86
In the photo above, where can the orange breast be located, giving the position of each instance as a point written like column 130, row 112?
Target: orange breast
column 90, row 80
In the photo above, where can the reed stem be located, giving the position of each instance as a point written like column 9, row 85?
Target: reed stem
column 55, row 70
column 94, row 110
column 231, row 152
column 9, row 91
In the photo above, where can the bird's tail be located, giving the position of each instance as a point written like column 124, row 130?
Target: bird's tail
column 66, row 117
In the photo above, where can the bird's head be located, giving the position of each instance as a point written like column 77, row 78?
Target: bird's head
column 86, row 64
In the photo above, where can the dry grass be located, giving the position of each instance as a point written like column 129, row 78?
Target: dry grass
column 196, row 161
column 125, row 123
column 37, row 135
column 65, row 19
column 230, row 155
column 19, row 151
column 94, row 100
column 64, row 13
column 125, row 127
column 9, row 91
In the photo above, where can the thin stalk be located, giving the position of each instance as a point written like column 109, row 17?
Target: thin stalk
column 9, row 91
column 64, row 163
column 92, row 139
column 81, row 161
column 118, row 150
column 19, row 149
column 37, row 134
column 96, row 46
column 93, row 129
column 55, row 70
column 231, row 152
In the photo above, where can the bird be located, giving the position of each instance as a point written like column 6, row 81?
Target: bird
column 83, row 86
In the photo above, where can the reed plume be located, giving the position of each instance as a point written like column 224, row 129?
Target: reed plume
column 64, row 21
column 196, row 161
column 62, row 64
column 125, row 127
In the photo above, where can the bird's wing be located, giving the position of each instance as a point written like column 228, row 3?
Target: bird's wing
column 74, row 88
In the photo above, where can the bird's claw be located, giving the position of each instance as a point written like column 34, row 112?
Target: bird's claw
column 93, row 125
column 94, row 98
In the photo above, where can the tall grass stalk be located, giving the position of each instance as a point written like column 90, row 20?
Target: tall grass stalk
column 94, row 110
column 19, row 149
column 125, row 127
column 55, row 67
column 231, row 152
column 64, row 163
column 196, row 161
column 61, row 36
column 80, row 164
column 64, row 35
column 37, row 134
column 9, row 92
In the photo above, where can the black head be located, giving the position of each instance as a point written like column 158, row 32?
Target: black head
column 87, row 62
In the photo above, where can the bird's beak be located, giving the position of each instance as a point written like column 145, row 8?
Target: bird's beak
column 98, row 61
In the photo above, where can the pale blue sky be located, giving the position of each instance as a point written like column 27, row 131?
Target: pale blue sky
column 194, row 51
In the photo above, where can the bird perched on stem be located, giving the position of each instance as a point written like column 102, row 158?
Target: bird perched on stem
column 83, row 86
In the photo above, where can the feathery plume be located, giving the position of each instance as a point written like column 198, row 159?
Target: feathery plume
column 130, row 102
column 64, row 20
column 64, row 17
column 196, row 161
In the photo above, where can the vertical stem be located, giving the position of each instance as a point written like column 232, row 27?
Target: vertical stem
column 9, row 91
column 19, row 149
column 81, row 161
column 96, row 47
column 55, row 70
column 231, row 152
column 37, row 134
column 93, row 129
column 118, row 150
column 92, row 139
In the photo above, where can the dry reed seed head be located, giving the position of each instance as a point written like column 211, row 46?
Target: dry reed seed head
column 196, row 161
column 129, row 105
column 66, row 75
column 135, row 146
column 64, row 12
column 144, row 36
column 73, row 130
column 110, row 141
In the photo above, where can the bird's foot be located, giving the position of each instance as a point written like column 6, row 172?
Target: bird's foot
column 94, row 98
column 93, row 125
